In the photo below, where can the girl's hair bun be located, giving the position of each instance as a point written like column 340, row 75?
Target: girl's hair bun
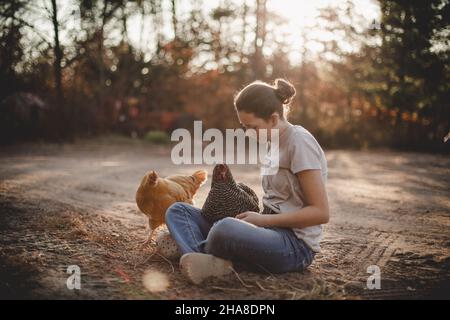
column 284, row 90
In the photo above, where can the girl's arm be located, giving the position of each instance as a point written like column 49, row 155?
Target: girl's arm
column 315, row 212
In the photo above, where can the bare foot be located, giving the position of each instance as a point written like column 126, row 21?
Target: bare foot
column 199, row 266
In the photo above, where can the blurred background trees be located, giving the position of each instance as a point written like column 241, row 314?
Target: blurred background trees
column 365, row 76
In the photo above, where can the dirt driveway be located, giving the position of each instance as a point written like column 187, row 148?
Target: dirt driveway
column 74, row 205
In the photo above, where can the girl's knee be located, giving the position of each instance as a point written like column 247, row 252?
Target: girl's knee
column 224, row 228
column 221, row 235
column 174, row 210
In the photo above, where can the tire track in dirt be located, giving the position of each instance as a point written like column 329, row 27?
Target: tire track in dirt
column 381, row 215
column 380, row 237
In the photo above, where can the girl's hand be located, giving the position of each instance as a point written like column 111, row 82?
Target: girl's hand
column 260, row 220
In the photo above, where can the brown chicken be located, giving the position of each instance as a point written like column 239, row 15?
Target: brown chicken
column 156, row 194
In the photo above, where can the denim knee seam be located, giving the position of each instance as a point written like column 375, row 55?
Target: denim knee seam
column 188, row 223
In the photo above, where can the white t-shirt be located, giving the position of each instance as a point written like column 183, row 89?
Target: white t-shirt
column 298, row 151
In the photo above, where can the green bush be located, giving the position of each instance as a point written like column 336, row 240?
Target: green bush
column 158, row 137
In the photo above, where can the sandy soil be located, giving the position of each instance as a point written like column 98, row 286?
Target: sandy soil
column 64, row 205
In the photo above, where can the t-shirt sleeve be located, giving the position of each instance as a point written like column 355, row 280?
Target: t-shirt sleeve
column 304, row 154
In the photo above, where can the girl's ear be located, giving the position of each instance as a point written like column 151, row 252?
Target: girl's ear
column 274, row 118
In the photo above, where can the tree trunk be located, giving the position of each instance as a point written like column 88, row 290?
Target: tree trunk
column 244, row 29
column 156, row 11
column 174, row 19
column 101, row 68
column 260, row 35
column 58, row 56
column 302, row 79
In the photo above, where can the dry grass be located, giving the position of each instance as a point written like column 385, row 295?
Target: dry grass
column 75, row 205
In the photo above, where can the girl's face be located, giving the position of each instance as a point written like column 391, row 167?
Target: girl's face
column 250, row 121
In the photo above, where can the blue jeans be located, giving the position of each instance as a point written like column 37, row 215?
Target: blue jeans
column 256, row 248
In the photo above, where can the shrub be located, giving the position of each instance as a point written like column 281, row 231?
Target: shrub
column 158, row 137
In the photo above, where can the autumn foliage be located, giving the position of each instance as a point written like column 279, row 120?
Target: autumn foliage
column 391, row 89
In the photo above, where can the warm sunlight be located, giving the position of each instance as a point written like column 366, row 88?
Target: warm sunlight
column 296, row 21
column 227, row 150
column 302, row 21
column 293, row 22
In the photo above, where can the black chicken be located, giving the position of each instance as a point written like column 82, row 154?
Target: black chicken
column 226, row 197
